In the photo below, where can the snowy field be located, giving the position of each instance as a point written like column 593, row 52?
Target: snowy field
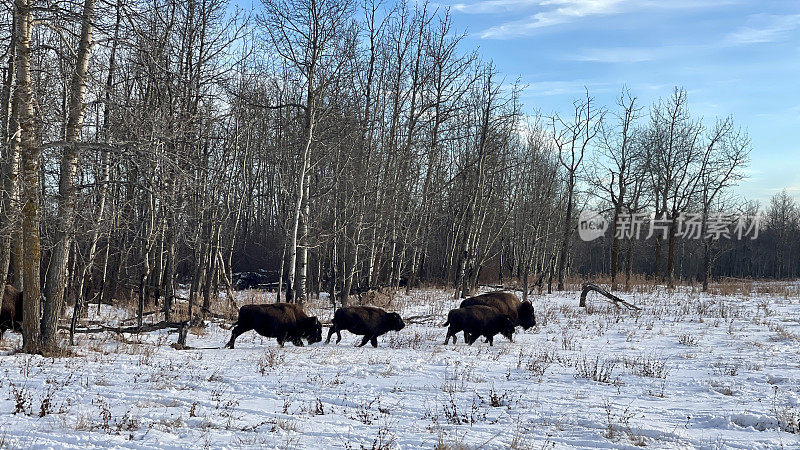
column 689, row 371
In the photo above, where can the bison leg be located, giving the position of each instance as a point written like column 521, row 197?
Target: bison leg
column 338, row 335
column 331, row 330
column 374, row 341
column 364, row 341
column 237, row 331
column 471, row 338
column 450, row 333
column 297, row 342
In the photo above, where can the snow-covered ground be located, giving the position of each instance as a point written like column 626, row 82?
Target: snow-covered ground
column 689, row 370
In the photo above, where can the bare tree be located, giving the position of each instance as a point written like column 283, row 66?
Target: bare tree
column 617, row 148
column 30, row 182
column 54, row 287
column 572, row 138
column 9, row 215
column 726, row 153
column 312, row 37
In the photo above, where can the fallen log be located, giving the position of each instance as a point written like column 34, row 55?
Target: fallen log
column 133, row 329
column 611, row 297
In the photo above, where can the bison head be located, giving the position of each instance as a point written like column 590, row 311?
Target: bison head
column 526, row 316
column 507, row 328
column 396, row 322
column 311, row 329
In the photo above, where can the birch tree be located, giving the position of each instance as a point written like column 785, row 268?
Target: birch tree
column 30, row 181
column 54, row 287
column 311, row 37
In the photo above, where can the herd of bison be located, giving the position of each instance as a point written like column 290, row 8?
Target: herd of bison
column 483, row 315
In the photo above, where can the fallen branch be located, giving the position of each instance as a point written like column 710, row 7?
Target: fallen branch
column 423, row 319
column 611, row 297
column 144, row 314
column 145, row 328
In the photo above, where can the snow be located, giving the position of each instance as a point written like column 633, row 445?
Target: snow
column 690, row 370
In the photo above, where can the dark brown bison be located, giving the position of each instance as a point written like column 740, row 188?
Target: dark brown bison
column 368, row 321
column 505, row 302
column 476, row 321
column 10, row 310
column 284, row 321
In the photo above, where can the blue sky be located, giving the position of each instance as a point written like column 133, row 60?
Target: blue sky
column 733, row 57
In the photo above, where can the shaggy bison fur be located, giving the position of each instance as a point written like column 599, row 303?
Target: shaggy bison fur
column 507, row 303
column 284, row 321
column 368, row 321
column 478, row 320
column 10, row 310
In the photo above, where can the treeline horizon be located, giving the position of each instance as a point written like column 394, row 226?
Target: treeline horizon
column 341, row 144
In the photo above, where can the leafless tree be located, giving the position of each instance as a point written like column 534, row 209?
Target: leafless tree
column 572, row 138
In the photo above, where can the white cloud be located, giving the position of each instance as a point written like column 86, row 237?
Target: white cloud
column 557, row 12
column 765, row 29
column 565, row 11
column 572, row 87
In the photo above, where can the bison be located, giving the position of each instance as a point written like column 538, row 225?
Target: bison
column 478, row 320
column 10, row 310
column 505, row 302
column 368, row 321
column 284, row 321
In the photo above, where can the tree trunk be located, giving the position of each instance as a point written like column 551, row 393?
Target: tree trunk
column 291, row 286
column 567, row 234
column 31, row 154
column 669, row 273
column 54, row 288
column 169, row 277
column 657, row 257
column 628, row 264
column 352, row 262
column 10, row 170
column 614, row 240
column 706, row 274
column 280, row 276
column 302, row 261
column 525, row 285
column 211, row 271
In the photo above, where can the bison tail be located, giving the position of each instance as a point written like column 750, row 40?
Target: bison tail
column 446, row 324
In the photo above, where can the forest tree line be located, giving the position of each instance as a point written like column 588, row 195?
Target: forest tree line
column 338, row 144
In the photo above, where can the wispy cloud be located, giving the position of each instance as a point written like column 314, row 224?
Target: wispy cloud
column 495, row 6
column 764, row 29
column 571, row 87
column 550, row 13
column 618, row 54
column 629, row 55
column 769, row 29
column 565, row 11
